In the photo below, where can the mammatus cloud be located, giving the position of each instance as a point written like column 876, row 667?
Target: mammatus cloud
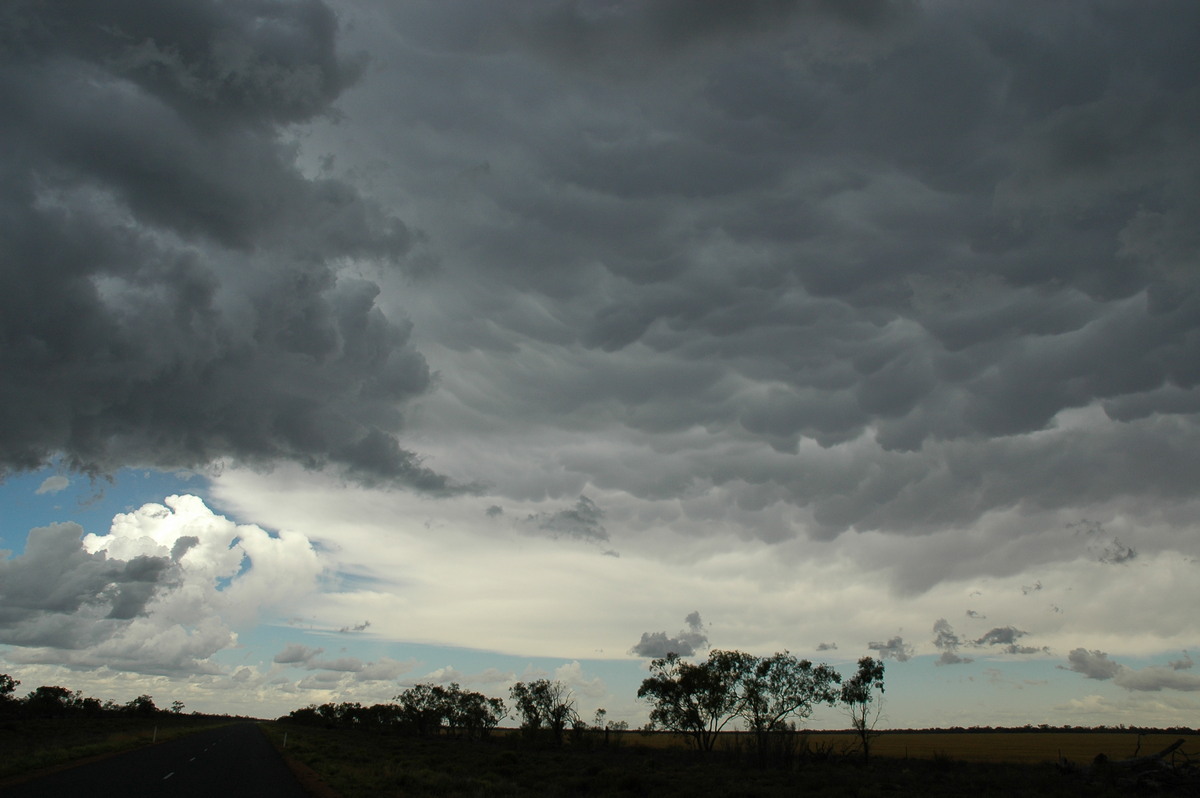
column 1097, row 665
column 173, row 290
column 160, row 593
column 895, row 648
column 686, row 644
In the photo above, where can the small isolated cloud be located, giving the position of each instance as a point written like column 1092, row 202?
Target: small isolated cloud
column 827, row 647
column 581, row 522
column 1152, row 679
column 1182, row 664
column 947, row 642
column 53, row 484
column 494, row 511
column 384, row 669
column 685, row 644
column 341, row 664
column 1116, row 553
column 573, row 676
column 1092, row 664
column 358, row 627
column 977, row 615
column 443, row 675
column 1155, row 678
column 296, row 654
column 895, row 648
column 1006, row 637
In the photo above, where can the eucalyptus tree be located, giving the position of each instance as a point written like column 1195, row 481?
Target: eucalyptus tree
column 697, row 699
column 861, row 705
column 779, row 689
column 424, row 708
column 543, row 703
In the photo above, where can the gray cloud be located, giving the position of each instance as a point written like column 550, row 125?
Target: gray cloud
column 947, row 642
column 1116, row 553
column 188, row 302
column 827, row 647
column 57, row 594
column 53, row 484
column 877, row 266
column 1006, row 637
column 183, row 544
column 1097, row 665
column 686, row 644
column 877, row 231
column 581, row 522
column 1092, row 664
column 895, row 648
column 295, row 653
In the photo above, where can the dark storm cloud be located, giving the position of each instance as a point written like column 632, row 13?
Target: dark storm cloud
column 685, row 644
column 929, row 229
column 170, row 291
column 58, row 594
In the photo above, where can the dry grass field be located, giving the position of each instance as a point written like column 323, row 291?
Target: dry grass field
column 1018, row 746
column 980, row 764
column 1000, row 746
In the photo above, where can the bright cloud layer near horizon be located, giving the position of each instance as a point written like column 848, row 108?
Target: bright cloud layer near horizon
column 563, row 331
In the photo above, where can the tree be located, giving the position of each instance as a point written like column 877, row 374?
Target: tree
column 177, row 707
column 49, row 700
column 7, row 686
column 861, row 705
column 142, row 705
column 543, row 703
column 696, row 699
column 424, row 707
column 780, row 687
column 472, row 714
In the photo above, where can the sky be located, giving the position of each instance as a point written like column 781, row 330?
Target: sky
column 349, row 344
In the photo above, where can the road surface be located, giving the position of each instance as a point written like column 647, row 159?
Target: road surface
column 226, row 762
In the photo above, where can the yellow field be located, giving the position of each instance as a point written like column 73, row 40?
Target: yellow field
column 1028, row 747
column 1079, row 747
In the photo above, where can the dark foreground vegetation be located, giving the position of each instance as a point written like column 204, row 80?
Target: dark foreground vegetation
column 52, row 726
column 508, row 763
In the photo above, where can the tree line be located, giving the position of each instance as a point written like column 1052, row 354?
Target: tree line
column 53, row 701
column 769, row 696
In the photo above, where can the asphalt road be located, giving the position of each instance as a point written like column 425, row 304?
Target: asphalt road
column 226, row 762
